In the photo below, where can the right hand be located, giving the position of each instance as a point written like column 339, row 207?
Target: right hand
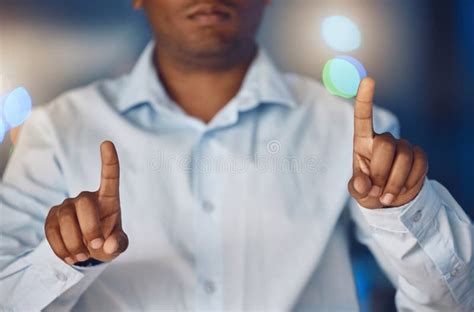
column 90, row 226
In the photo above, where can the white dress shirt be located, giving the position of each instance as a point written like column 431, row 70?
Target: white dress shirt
column 245, row 213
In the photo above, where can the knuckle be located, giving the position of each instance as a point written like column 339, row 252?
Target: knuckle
column 51, row 214
column 66, row 210
column 66, row 202
column 57, row 212
column 84, row 199
column 66, row 213
column 80, row 195
column 405, row 157
column 404, row 143
column 386, row 136
column 85, row 194
column 388, row 146
column 59, row 209
column 419, row 152
column 385, row 142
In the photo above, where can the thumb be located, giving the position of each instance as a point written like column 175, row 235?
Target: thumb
column 116, row 243
column 360, row 184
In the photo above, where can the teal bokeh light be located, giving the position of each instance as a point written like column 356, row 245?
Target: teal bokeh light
column 342, row 76
column 341, row 33
column 357, row 64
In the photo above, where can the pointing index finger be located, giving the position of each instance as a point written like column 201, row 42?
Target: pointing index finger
column 363, row 122
column 110, row 172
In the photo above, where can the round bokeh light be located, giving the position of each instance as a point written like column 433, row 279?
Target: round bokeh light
column 3, row 126
column 341, row 33
column 16, row 107
column 3, row 130
column 342, row 76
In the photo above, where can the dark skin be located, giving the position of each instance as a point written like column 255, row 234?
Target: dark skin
column 203, row 51
column 195, row 56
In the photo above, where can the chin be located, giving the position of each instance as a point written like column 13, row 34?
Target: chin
column 212, row 46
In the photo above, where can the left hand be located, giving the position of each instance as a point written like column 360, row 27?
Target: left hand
column 386, row 172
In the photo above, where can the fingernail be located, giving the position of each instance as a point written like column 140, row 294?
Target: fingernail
column 81, row 257
column 375, row 191
column 387, row 199
column 97, row 243
column 69, row 260
column 403, row 191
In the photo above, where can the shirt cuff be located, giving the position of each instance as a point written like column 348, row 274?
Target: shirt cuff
column 49, row 277
column 414, row 215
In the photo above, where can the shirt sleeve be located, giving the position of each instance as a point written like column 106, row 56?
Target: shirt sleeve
column 31, row 275
column 426, row 248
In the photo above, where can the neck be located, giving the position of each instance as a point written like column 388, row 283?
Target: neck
column 201, row 89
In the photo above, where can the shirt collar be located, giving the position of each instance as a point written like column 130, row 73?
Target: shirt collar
column 263, row 83
column 143, row 84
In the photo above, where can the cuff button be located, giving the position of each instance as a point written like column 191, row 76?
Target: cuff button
column 417, row 216
column 61, row 277
column 456, row 271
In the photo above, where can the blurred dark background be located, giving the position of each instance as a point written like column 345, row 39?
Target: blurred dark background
column 421, row 53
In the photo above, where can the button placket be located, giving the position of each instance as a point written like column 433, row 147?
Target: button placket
column 208, row 233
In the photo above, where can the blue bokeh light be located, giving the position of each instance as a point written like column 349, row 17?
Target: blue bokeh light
column 341, row 33
column 17, row 107
column 3, row 130
column 357, row 64
column 3, row 125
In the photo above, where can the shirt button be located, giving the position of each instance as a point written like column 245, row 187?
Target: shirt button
column 209, row 287
column 456, row 271
column 417, row 216
column 61, row 276
column 208, row 206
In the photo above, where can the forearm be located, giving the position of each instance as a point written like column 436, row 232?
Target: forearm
column 39, row 278
column 31, row 275
column 429, row 244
